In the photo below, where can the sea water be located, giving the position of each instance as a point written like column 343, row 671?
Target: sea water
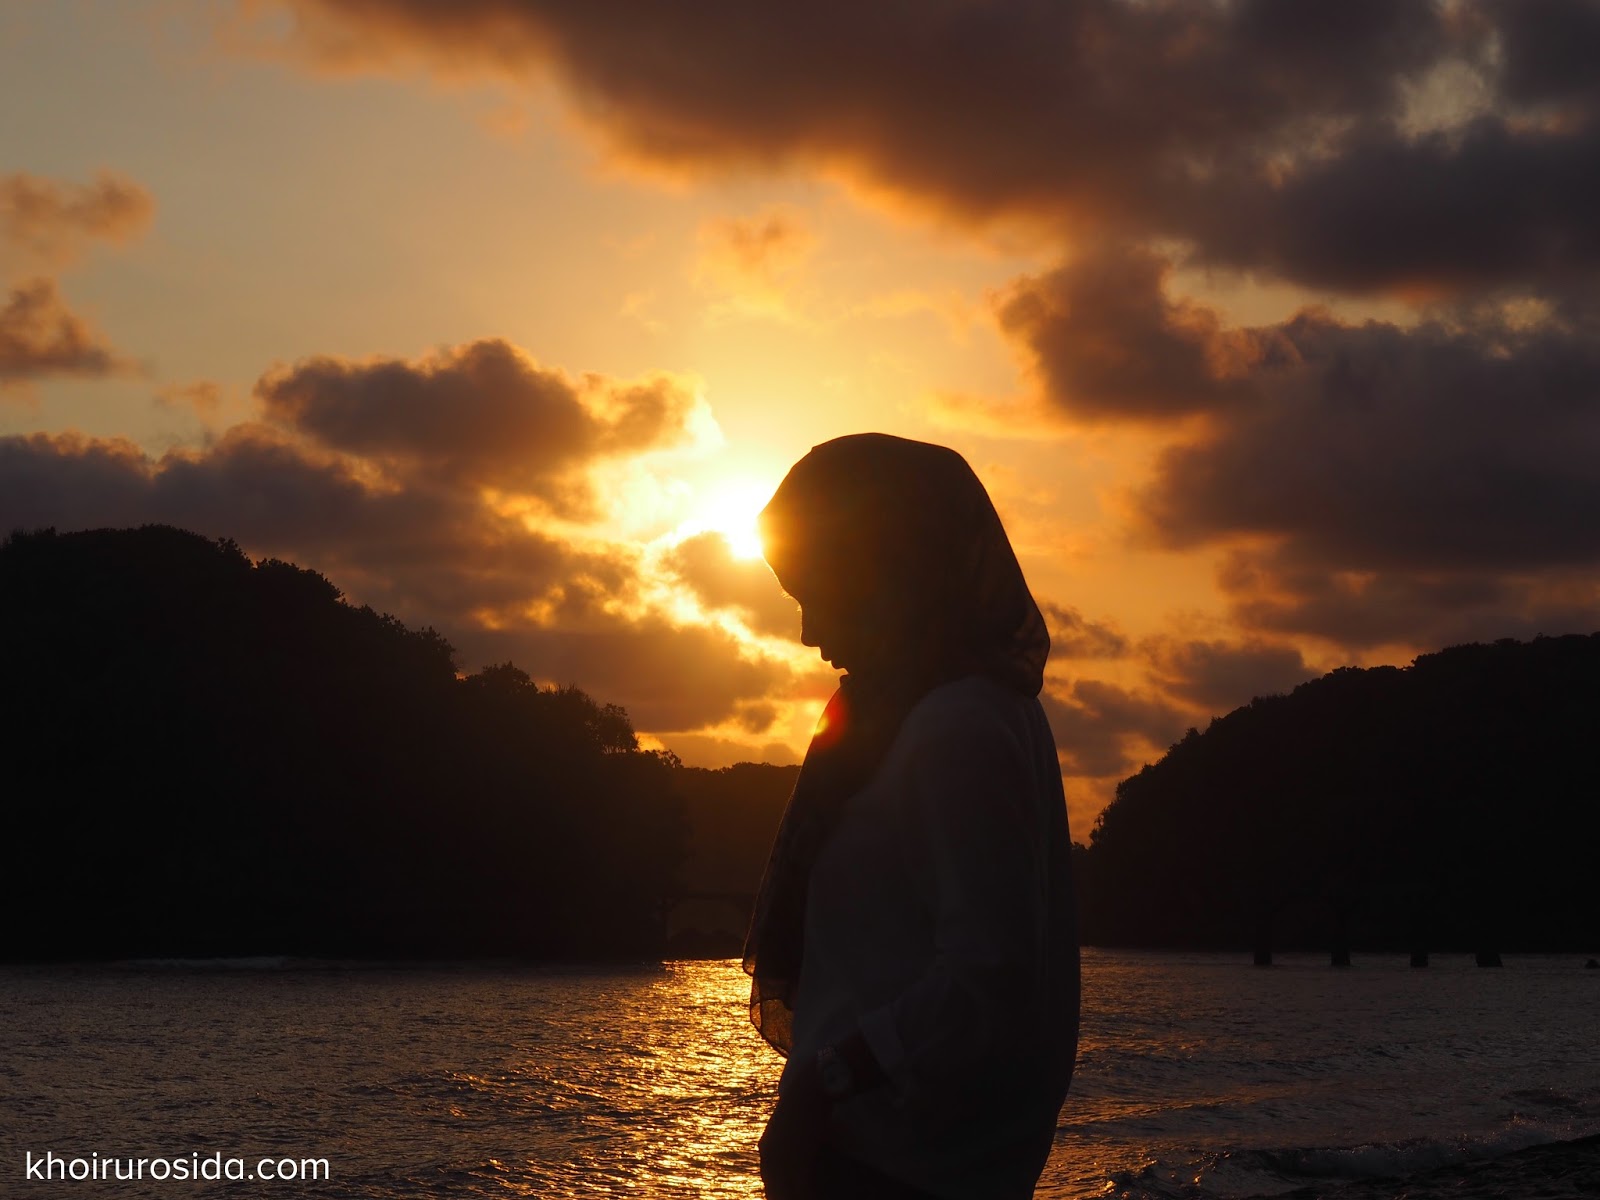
column 1198, row 1076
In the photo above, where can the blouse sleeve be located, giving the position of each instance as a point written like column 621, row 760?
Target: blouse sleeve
column 977, row 824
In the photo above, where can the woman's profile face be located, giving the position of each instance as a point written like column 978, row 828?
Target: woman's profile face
column 844, row 627
column 825, row 625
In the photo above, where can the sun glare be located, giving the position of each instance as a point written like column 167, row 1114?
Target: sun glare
column 730, row 509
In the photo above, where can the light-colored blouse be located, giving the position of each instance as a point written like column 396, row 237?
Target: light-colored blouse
column 939, row 923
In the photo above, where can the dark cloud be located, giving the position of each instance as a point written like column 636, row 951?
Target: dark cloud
column 1104, row 341
column 1104, row 730
column 1500, row 202
column 1379, row 475
column 1371, row 446
column 669, row 677
column 1219, row 676
column 1549, row 49
column 720, row 580
column 1380, row 484
column 479, row 413
column 1072, row 635
column 1424, row 609
column 40, row 336
column 46, row 221
column 417, row 549
column 428, row 552
column 1276, row 137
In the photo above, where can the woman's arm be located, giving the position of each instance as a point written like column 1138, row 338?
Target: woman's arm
column 977, row 823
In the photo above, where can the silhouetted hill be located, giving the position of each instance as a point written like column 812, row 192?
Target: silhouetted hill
column 733, row 813
column 205, row 755
column 1449, row 804
column 208, row 756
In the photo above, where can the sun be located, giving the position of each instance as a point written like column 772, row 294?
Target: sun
column 730, row 508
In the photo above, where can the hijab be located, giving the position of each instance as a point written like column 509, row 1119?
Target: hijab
column 905, row 530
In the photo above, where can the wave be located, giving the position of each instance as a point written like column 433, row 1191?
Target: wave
column 1523, row 1159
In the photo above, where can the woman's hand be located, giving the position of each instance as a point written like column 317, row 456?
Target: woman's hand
column 794, row 1135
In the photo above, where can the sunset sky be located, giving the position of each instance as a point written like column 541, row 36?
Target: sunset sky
column 1272, row 327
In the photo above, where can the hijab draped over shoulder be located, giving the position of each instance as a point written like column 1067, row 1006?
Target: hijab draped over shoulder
column 906, row 530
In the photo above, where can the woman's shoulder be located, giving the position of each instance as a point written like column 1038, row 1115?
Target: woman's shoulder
column 970, row 703
column 972, row 734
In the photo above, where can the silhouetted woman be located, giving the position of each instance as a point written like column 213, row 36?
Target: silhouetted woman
column 913, row 950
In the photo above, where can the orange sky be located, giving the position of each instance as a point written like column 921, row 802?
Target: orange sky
column 508, row 315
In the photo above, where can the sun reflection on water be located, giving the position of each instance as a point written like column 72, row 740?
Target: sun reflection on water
column 666, row 1097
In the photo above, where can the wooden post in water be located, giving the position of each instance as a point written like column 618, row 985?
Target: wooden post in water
column 1421, row 929
column 1263, row 943
column 1341, row 940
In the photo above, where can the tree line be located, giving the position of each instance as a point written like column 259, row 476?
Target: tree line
column 205, row 755
column 1450, row 805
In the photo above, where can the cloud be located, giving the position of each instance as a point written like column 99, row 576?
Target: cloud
column 762, row 247
column 1414, row 609
column 1072, row 635
column 669, row 677
column 415, row 549
column 1372, row 446
column 1104, row 341
column 1104, row 730
column 352, row 475
column 1446, row 465
column 48, row 222
column 1445, row 153
column 752, row 263
column 482, row 413
column 1219, row 676
column 41, row 336
column 746, row 585
column 1500, row 203
column 1269, row 137
column 1370, row 483
column 203, row 398
column 1548, row 48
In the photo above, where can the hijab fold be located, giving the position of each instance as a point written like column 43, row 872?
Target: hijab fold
column 907, row 530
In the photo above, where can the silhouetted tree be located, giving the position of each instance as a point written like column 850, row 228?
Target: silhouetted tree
column 204, row 755
column 1448, row 804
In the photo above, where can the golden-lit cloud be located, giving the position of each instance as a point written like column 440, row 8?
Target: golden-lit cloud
column 1074, row 636
column 1367, row 483
column 751, row 265
column 40, row 336
column 719, row 579
column 1104, row 341
column 47, row 222
column 484, row 413
column 1274, row 138
column 376, row 473
column 203, row 398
